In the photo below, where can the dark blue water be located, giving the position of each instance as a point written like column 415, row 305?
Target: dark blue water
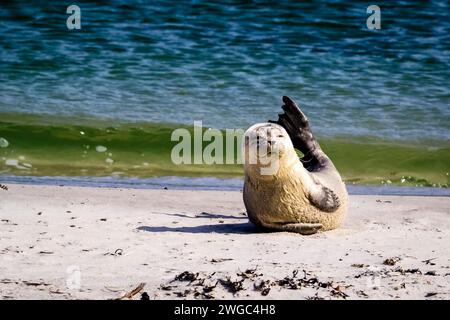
column 228, row 63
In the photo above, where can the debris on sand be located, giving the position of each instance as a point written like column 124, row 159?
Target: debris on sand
column 220, row 260
column 198, row 286
column 288, row 283
column 391, row 261
column 45, row 252
column 430, row 294
column 35, row 284
column 57, row 291
column 8, row 281
column 3, row 187
column 265, row 291
column 315, row 297
column 416, row 270
column 428, row 261
column 186, row 276
column 117, row 252
column 338, row 291
column 312, row 282
column 359, row 265
column 166, row 287
column 209, row 288
column 201, row 285
column 249, row 274
column 145, row 296
column 401, row 286
column 182, row 294
column 388, row 272
column 263, row 286
column 133, row 292
column 232, row 286
column 206, row 290
column 9, row 222
column 361, row 293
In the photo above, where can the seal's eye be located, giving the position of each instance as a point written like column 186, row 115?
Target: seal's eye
column 280, row 136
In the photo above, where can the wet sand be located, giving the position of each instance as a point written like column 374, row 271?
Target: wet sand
column 61, row 242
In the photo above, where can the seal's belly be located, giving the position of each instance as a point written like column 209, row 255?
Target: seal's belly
column 278, row 204
column 286, row 203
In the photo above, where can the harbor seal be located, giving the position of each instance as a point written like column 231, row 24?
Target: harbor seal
column 304, row 195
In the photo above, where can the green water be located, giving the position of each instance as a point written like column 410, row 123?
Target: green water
column 50, row 146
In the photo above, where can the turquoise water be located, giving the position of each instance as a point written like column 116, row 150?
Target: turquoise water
column 227, row 64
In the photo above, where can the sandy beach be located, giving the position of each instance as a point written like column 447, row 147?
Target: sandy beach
column 59, row 242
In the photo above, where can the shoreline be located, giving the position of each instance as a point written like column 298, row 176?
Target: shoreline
column 206, row 183
column 40, row 146
column 63, row 242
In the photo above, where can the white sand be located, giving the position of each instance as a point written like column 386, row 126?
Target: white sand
column 48, row 233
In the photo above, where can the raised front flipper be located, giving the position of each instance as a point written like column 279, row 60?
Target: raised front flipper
column 294, row 121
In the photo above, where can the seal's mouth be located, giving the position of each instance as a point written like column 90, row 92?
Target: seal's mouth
column 261, row 148
column 266, row 148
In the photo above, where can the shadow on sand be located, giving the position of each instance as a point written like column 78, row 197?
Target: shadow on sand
column 221, row 227
column 206, row 215
column 236, row 228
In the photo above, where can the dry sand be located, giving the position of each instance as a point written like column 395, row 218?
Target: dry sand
column 97, row 243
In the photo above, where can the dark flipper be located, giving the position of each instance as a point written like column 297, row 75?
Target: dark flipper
column 297, row 126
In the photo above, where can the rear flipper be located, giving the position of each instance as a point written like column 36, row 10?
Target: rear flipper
column 302, row 228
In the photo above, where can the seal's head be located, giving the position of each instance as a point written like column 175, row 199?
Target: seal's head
column 267, row 148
